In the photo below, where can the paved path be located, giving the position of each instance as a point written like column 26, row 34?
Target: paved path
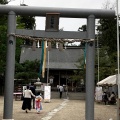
column 62, row 109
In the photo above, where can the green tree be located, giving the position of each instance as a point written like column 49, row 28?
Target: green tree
column 3, row 39
column 3, row 2
column 23, row 71
column 27, row 70
column 106, row 36
column 26, row 22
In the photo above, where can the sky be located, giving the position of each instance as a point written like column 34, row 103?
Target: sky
column 68, row 24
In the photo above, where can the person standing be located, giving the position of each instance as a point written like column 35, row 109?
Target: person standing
column 38, row 104
column 105, row 98
column 32, row 88
column 27, row 99
column 61, row 90
column 112, row 98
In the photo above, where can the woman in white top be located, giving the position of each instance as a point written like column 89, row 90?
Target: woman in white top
column 27, row 99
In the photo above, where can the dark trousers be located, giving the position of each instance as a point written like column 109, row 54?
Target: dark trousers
column 33, row 102
column 60, row 94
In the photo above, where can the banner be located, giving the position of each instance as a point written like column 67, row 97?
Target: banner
column 98, row 94
column 47, row 93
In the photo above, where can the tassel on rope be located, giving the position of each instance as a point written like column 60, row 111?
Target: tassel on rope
column 85, row 56
column 34, row 46
column 49, row 46
column 60, row 46
column 38, row 44
column 44, row 60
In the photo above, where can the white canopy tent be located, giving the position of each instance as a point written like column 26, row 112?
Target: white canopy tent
column 110, row 80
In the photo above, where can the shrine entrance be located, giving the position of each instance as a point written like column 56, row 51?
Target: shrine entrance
column 52, row 31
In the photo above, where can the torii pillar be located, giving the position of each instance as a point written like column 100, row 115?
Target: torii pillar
column 90, row 62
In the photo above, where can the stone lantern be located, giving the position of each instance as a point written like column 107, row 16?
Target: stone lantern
column 38, row 86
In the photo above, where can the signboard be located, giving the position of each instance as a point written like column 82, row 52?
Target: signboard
column 98, row 94
column 24, row 88
column 52, row 22
column 47, row 93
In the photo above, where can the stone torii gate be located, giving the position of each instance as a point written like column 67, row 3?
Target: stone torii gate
column 89, row 14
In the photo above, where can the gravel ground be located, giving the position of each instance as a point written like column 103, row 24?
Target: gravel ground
column 62, row 109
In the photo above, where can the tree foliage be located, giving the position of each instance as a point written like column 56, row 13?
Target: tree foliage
column 23, row 22
column 26, row 22
column 27, row 70
column 108, row 34
column 3, row 39
column 107, row 39
column 3, row 2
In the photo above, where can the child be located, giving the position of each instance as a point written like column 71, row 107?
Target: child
column 38, row 104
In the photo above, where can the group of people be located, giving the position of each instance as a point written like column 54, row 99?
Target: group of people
column 28, row 96
column 30, row 99
column 109, row 99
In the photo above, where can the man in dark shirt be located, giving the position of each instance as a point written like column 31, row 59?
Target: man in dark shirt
column 105, row 98
column 32, row 88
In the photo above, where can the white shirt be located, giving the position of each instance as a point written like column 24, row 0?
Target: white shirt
column 27, row 93
column 61, row 88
